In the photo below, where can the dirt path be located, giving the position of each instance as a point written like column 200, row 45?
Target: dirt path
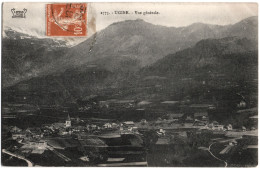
column 30, row 164
column 215, row 156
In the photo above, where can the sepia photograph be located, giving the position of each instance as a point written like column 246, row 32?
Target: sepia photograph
column 129, row 84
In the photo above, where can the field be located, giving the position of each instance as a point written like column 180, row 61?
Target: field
column 180, row 156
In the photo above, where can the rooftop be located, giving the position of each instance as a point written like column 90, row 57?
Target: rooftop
column 201, row 114
column 176, row 115
column 200, row 105
column 253, row 146
column 128, row 122
column 68, row 118
column 255, row 110
column 254, row 117
column 170, row 102
column 144, row 102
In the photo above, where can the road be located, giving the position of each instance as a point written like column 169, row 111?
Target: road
column 215, row 156
column 59, row 154
column 30, row 164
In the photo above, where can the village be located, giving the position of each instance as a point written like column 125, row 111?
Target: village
column 167, row 127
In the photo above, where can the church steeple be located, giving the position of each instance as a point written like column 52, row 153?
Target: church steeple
column 68, row 121
column 68, row 118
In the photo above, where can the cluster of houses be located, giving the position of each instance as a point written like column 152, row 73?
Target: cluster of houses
column 34, row 147
column 199, row 120
column 63, row 129
column 33, row 140
column 95, row 128
column 29, row 133
column 195, row 115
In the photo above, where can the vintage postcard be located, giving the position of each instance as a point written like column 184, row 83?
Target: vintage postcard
column 129, row 84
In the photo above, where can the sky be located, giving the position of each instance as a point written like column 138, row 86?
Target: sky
column 179, row 14
column 170, row 14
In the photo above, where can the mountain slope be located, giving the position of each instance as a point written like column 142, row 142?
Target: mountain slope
column 211, row 64
column 206, row 53
column 216, row 63
column 147, row 43
column 123, row 46
column 23, row 55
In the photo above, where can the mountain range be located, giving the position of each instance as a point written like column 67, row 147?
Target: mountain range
column 123, row 46
column 135, row 60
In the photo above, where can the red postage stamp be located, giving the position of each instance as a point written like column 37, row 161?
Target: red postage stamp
column 66, row 19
